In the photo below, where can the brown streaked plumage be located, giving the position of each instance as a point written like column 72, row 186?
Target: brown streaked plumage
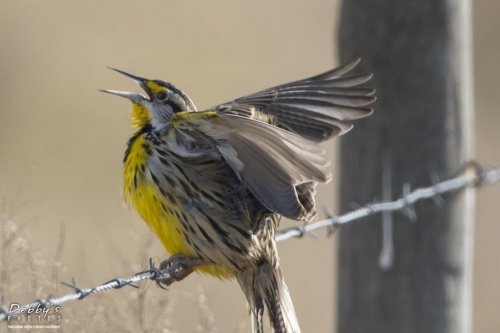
column 213, row 184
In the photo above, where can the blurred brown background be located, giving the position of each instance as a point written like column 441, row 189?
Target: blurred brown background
column 61, row 141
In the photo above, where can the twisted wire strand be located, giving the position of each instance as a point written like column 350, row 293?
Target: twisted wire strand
column 474, row 175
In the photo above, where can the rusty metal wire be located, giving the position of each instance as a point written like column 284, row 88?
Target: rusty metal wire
column 474, row 175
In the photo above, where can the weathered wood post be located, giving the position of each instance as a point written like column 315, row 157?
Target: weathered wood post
column 420, row 53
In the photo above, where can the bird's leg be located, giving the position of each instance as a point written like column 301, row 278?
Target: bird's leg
column 179, row 267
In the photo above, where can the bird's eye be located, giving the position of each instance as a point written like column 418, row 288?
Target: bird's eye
column 161, row 95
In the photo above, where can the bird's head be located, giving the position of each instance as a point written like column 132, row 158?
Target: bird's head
column 156, row 109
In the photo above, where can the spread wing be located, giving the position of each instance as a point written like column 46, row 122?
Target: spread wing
column 317, row 108
column 280, row 168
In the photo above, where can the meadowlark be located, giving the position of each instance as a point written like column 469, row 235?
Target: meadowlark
column 213, row 185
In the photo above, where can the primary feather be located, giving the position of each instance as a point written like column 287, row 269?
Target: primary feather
column 317, row 108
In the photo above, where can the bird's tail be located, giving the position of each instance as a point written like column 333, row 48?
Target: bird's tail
column 265, row 286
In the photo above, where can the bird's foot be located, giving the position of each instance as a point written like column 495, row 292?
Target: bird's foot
column 177, row 268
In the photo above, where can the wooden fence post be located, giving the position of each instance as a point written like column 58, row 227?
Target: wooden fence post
column 420, row 54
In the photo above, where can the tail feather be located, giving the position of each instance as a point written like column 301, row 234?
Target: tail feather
column 265, row 286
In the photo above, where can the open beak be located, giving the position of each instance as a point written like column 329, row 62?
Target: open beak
column 134, row 97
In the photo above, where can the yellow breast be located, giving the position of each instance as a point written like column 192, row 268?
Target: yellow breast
column 159, row 214
column 140, row 190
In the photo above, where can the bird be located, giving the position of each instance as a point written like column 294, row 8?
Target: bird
column 213, row 185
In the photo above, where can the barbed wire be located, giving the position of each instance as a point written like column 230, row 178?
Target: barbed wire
column 474, row 175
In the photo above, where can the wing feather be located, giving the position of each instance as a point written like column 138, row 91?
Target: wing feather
column 279, row 167
column 276, row 163
column 317, row 108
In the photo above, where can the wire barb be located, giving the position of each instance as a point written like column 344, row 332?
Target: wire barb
column 329, row 215
column 437, row 198
column 475, row 175
column 153, row 271
column 83, row 293
column 3, row 310
column 408, row 209
column 299, row 231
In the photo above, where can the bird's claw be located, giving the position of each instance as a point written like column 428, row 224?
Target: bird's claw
column 177, row 268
